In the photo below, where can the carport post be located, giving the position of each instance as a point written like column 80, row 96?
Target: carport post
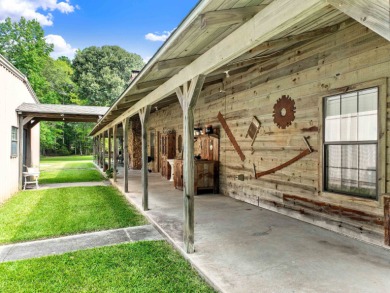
column 144, row 117
column 188, row 95
column 115, row 154
column 125, row 125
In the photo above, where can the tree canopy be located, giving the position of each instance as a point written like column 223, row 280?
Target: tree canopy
column 24, row 45
column 102, row 73
column 97, row 76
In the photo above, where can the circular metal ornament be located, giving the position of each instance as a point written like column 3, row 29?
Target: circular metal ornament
column 284, row 112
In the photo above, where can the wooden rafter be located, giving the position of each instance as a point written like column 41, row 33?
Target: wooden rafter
column 228, row 17
column 288, row 41
column 176, row 62
column 152, row 83
column 374, row 14
column 135, row 97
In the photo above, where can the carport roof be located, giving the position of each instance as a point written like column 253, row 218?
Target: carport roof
column 55, row 112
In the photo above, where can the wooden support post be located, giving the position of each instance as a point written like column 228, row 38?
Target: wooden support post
column 98, row 144
column 100, row 150
column 188, row 95
column 104, row 149
column 20, row 151
column 144, row 117
column 386, row 210
column 115, row 155
column 109, row 147
column 125, row 126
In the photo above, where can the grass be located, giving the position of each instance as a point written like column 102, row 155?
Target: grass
column 66, row 158
column 37, row 214
column 68, row 169
column 137, row 267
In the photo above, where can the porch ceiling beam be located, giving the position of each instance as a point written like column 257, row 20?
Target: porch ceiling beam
column 151, row 83
column 67, row 119
column 228, row 17
column 269, row 22
column 176, row 62
column 374, row 14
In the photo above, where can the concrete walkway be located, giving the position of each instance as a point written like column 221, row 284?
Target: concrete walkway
column 61, row 245
column 243, row 248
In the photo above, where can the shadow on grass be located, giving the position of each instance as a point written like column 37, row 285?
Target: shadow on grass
column 41, row 214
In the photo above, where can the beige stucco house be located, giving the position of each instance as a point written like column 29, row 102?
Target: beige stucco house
column 15, row 90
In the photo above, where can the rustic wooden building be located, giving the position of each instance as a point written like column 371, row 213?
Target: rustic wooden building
column 287, row 99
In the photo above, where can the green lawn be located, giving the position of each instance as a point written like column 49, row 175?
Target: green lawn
column 66, row 158
column 136, row 267
column 68, row 169
column 36, row 214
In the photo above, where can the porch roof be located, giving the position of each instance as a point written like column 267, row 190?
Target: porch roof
column 221, row 38
column 55, row 112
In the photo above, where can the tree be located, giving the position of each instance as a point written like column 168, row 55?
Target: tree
column 60, row 88
column 102, row 73
column 23, row 44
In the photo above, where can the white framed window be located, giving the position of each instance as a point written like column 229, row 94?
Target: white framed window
column 14, row 142
column 351, row 143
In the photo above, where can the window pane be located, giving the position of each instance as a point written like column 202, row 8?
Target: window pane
column 349, row 180
column 333, row 156
column 368, row 100
column 332, row 129
column 349, row 128
column 332, row 106
column 349, row 117
column 333, row 179
column 367, row 157
column 14, row 148
column 332, row 119
column 14, row 133
column 367, row 183
column 368, row 123
column 349, row 156
column 349, row 103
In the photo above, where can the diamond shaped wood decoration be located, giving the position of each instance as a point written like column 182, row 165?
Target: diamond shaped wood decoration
column 253, row 130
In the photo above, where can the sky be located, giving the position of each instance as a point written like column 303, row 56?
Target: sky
column 138, row 26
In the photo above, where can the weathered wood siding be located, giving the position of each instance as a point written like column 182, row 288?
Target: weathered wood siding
column 352, row 56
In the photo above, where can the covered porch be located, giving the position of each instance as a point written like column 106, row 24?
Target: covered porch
column 244, row 248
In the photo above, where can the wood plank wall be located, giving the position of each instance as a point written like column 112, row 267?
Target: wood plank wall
column 351, row 56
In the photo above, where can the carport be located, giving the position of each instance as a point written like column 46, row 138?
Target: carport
column 30, row 114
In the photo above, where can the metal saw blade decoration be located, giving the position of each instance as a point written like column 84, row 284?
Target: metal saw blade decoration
column 284, row 112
